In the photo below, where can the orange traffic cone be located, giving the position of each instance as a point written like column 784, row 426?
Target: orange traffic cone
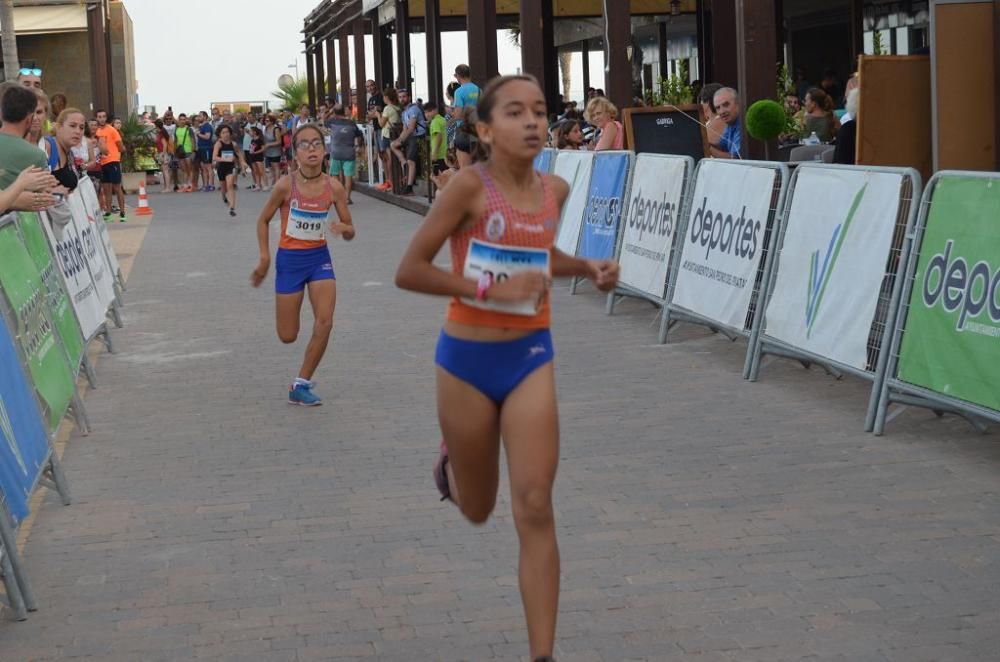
column 143, row 209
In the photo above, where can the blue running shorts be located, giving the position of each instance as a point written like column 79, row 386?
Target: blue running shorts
column 495, row 369
column 293, row 268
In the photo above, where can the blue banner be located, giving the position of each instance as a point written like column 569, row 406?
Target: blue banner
column 545, row 160
column 602, row 215
column 24, row 446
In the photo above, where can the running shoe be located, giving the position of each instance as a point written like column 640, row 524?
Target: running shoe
column 232, row 212
column 107, row 216
column 441, row 474
column 301, row 394
column 121, row 217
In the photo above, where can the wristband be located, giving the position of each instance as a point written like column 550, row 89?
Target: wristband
column 483, row 286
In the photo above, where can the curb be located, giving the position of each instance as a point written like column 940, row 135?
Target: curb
column 417, row 205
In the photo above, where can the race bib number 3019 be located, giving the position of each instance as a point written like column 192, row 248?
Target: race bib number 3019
column 306, row 225
column 502, row 262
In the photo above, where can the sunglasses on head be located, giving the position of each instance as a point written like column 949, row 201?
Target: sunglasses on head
column 31, row 72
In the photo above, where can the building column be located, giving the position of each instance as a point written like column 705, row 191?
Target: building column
column 757, row 40
column 359, row 68
column 585, row 48
column 539, row 55
column 721, row 43
column 310, row 76
column 664, row 71
column 320, row 72
column 432, row 30
column 331, row 65
column 618, row 70
column 100, row 74
column 481, row 24
column 403, row 61
column 996, row 78
column 383, row 55
column 345, row 67
column 857, row 29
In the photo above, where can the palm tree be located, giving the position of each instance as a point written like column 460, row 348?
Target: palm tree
column 9, row 39
column 294, row 95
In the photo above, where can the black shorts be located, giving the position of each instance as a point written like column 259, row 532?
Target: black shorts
column 223, row 170
column 463, row 142
column 111, row 173
column 255, row 158
column 412, row 147
column 203, row 155
column 272, row 160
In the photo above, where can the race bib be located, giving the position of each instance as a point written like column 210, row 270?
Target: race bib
column 226, row 155
column 306, row 225
column 502, row 262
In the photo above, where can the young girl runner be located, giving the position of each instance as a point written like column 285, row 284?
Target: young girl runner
column 495, row 378
column 226, row 156
column 305, row 198
column 256, row 157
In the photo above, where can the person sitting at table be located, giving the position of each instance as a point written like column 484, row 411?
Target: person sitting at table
column 819, row 117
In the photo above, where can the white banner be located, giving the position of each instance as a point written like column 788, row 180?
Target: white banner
column 94, row 215
column 835, row 254
column 89, row 232
column 574, row 167
column 724, row 241
column 70, row 256
column 649, row 222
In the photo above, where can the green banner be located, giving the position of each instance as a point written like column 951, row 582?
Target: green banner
column 59, row 306
column 951, row 342
column 22, row 285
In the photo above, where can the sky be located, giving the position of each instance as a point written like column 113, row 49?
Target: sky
column 190, row 53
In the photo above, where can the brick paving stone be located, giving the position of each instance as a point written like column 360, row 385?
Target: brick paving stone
column 702, row 518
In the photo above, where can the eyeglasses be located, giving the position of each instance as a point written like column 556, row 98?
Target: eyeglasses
column 310, row 144
column 31, row 72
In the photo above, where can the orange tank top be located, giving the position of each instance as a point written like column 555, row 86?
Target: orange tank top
column 304, row 219
column 503, row 242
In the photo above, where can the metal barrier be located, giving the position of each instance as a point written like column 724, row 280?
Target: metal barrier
column 739, row 206
column 646, row 243
column 944, row 352
column 575, row 167
column 832, row 290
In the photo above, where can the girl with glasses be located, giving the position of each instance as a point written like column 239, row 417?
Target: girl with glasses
column 305, row 197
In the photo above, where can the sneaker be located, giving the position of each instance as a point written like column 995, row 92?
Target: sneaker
column 121, row 217
column 301, row 394
column 408, row 190
column 441, row 474
column 114, row 209
column 107, row 216
column 232, row 212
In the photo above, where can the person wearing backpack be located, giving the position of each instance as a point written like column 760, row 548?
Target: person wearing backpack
column 408, row 142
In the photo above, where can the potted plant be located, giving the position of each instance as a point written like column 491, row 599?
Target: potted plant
column 139, row 156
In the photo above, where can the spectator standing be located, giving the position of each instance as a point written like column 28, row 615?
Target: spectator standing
column 30, row 77
column 604, row 115
column 438, row 129
column 272, row 148
column 255, row 156
column 390, row 122
column 69, row 127
column 408, row 143
column 184, row 144
column 111, row 147
column 345, row 142
column 730, row 144
column 17, row 108
column 164, row 155
column 203, row 157
column 466, row 100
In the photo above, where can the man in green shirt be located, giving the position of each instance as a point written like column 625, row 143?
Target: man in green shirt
column 17, row 105
column 438, row 128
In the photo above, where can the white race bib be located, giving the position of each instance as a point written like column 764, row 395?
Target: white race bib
column 227, row 155
column 306, row 225
column 502, row 262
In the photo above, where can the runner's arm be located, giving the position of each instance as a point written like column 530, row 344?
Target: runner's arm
column 278, row 195
column 215, row 153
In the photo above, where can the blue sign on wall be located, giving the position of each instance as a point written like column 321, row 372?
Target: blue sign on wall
column 602, row 215
column 24, row 446
column 545, row 160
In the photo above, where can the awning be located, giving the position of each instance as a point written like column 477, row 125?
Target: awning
column 47, row 19
column 368, row 5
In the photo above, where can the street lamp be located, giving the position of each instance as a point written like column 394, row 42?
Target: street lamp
column 295, row 65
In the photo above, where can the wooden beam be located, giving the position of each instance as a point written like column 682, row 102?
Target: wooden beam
column 481, row 17
column 100, row 79
column 585, row 51
column 359, row 68
column 320, row 73
column 539, row 56
column 618, row 70
column 996, row 80
column 404, row 79
column 345, row 68
column 331, row 66
column 310, row 77
column 722, row 45
column 662, row 33
column 435, row 77
column 757, row 40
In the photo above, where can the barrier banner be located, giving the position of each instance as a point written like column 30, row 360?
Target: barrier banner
column 94, row 215
column 838, row 236
column 575, row 168
column 60, row 308
column 951, row 340
column 724, row 241
column 22, row 285
column 86, row 230
column 24, row 444
column 649, row 222
column 545, row 159
column 605, row 199
column 71, row 258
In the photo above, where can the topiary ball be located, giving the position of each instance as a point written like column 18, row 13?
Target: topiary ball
column 765, row 119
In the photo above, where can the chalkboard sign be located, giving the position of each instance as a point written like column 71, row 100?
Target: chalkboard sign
column 666, row 130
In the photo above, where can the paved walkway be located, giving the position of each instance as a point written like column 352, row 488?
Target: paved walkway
column 700, row 517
